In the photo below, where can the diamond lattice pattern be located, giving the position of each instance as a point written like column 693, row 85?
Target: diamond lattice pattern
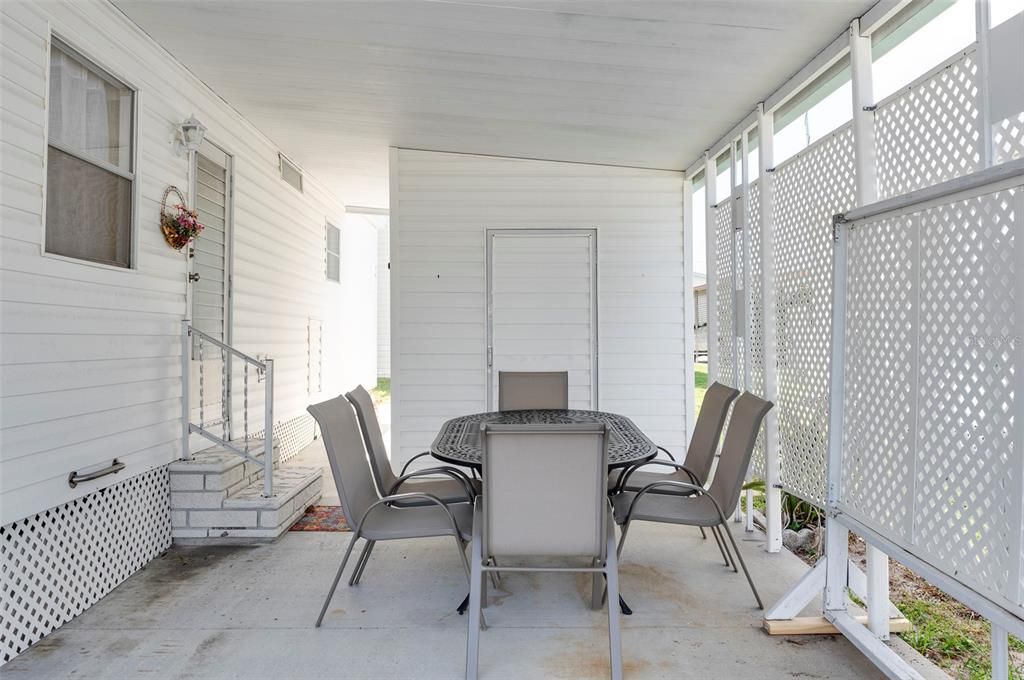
column 933, row 345
column 59, row 562
column 724, row 296
column 929, row 132
column 809, row 189
column 757, row 465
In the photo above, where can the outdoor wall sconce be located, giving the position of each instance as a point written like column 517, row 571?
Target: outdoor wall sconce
column 190, row 136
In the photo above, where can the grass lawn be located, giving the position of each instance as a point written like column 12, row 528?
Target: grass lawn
column 700, row 383
column 382, row 392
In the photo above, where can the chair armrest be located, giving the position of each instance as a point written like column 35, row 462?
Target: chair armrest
column 697, row 489
column 408, row 462
column 428, row 453
column 678, row 466
column 666, row 452
column 457, row 475
column 388, row 500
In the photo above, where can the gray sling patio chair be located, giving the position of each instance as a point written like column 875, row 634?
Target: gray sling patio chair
column 700, row 455
column 533, row 389
column 545, row 498
column 705, row 508
column 457, row 488
column 374, row 518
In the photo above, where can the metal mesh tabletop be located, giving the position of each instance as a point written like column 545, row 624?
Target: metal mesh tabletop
column 459, row 438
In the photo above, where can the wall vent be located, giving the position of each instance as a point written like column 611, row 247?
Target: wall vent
column 290, row 172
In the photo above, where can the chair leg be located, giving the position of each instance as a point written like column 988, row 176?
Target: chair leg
column 337, row 577
column 622, row 538
column 483, row 589
column 495, row 575
column 614, row 632
column 476, row 583
column 469, row 575
column 760, row 605
column 596, row 588
column 703, row 534
column 722, row 547
column 364, row 557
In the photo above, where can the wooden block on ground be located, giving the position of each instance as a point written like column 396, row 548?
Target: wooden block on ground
column 819, row 625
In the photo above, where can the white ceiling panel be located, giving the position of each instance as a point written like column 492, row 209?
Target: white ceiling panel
column 619, row 82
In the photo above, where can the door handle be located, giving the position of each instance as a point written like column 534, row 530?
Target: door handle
column 193, row 277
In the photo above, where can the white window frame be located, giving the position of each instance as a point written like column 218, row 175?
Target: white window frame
column 328, row 225
column 132, row 176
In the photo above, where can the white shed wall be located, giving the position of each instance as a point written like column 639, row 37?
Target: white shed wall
column 441, row 206
column 89, row 356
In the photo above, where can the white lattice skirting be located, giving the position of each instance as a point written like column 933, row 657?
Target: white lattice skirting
column 291, row 436
column 58, row 563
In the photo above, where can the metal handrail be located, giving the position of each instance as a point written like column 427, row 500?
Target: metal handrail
column 188, row 428
column 982, row 181
column 228, row 348
column 74, row 479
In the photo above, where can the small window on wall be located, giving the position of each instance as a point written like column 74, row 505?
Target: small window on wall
column 89, row 168
column 333, row 253
column 290, row 173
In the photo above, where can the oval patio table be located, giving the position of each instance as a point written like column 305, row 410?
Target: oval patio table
column 458, row 442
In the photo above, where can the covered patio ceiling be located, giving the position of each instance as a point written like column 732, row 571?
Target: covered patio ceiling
column 634, row 83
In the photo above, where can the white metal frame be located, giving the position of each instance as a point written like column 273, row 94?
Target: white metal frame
column 591, row 236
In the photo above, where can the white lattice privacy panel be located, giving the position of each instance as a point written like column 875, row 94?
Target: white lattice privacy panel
column 58, row 563
column 929, row 131
column 725, row 244
column 291, row 436
column 1008, row 138
column 809, row 189
column 931, row 457
column 756, row 339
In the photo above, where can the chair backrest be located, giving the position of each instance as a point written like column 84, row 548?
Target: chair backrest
column 700, row 455
column 347, row 456
column 546, row 489
column 374, row 438
column 532, row 389
column 748, row 413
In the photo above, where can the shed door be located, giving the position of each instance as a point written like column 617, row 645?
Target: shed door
column 542, row 307
column 209, row 285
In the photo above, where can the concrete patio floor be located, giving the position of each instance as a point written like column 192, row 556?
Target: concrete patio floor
column 248, row 612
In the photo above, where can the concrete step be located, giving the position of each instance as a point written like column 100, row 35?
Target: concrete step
column 218, row 497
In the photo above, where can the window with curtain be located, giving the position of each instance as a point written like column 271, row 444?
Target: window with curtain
column 89, row 173
column 333, row 253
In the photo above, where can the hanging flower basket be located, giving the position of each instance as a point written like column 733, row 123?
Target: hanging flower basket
column 179, row 225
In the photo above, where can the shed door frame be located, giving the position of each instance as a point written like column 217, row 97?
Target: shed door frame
column 229, row 232
column 197, row 443
column 591, row 236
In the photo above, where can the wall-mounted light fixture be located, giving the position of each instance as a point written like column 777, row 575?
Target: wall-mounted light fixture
column 190, row 136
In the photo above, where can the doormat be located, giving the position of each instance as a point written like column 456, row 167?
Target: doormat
column 322, row 518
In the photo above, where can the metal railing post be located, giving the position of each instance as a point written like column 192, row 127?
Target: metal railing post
column 836, row 536
column 268, row 432
column 867, row 192
column 186, row 388
column 772, row 467
column 710, row 180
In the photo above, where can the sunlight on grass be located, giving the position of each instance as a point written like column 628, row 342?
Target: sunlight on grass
column 382, row 392
column 700, row 383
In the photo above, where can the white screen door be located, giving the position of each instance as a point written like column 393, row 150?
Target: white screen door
column 209, row 292
column 542, row 307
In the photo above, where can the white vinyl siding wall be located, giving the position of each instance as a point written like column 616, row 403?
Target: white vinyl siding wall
column 90, row 356
column 441, row 207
